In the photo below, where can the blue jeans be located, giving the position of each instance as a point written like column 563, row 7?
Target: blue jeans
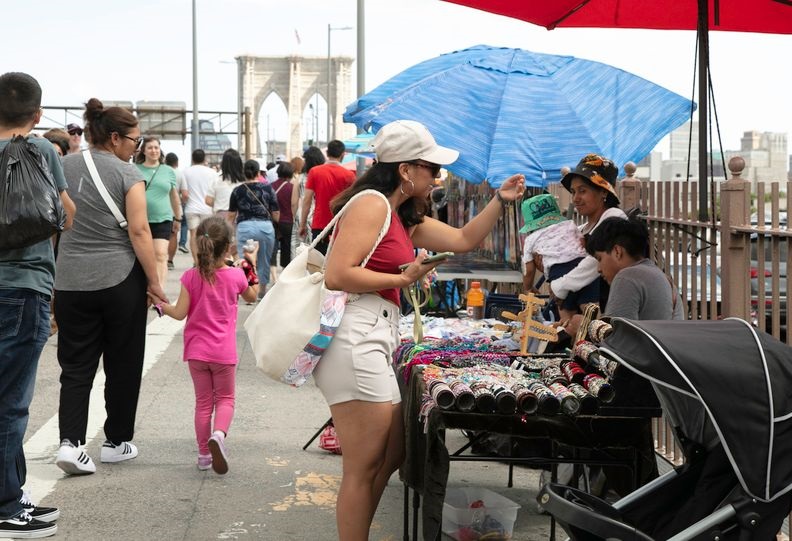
column 183, row 230
column 24, row 329
column 264, row 233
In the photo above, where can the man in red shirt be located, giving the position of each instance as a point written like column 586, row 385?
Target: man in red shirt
column 323, row 184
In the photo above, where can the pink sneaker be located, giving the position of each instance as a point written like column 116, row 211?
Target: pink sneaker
column 217, row 448
column 204, row 462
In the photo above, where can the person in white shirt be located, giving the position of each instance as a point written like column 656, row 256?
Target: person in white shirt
column 198, row 178
column 219, row 194
column 272, row 172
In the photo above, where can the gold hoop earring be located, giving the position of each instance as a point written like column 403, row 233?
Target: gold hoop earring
column 412, row 190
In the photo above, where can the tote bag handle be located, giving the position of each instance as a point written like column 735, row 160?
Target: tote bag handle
column 383, row 230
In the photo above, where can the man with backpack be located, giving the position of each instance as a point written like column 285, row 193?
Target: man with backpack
column 26, row 281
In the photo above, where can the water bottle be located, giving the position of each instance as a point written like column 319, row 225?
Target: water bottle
column 475, row 301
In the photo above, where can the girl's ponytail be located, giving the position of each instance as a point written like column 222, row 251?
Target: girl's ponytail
column 213, row 236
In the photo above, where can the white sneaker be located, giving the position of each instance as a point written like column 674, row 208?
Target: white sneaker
column 118, row 453
column 73, row 460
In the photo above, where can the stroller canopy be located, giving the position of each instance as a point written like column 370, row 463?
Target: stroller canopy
column 743, row 378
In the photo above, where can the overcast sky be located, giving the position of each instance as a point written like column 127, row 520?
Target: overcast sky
column 142, row 50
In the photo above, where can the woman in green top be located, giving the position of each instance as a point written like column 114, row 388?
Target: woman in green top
column 162, row 200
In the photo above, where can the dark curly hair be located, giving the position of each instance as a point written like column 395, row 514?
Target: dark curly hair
column 384, row 177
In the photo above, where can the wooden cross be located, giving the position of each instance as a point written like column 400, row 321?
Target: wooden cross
column 531, row 327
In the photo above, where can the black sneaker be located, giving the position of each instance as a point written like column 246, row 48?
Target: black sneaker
column 183, row 249
column 23, row 526
column 44, row 514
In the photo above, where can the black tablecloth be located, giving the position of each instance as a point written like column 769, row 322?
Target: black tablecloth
column 426, row 465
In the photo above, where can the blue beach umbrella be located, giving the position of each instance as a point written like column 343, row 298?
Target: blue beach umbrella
column 515, row 111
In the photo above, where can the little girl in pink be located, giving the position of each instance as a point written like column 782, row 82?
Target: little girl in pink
column 208, row 298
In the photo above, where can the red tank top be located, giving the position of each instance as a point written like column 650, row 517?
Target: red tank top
column 396, row 248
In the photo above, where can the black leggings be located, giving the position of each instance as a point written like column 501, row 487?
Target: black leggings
column 110, row 323
column 283, row 235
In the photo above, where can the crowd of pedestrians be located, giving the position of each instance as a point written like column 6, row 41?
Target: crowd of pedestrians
column 124, row 224
column 128, row 209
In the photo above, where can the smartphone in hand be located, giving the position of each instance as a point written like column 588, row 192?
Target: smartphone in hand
column 440, row 256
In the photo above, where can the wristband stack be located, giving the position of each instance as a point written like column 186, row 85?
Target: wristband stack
column 250, row 272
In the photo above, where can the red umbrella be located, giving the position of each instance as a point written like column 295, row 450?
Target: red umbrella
column 764, row 16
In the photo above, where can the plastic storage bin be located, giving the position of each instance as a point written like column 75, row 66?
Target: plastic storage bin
column 473, row 513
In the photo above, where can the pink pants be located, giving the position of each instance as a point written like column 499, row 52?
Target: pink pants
column 214, row 391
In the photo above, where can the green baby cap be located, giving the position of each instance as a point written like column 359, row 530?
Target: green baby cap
column 540, row 211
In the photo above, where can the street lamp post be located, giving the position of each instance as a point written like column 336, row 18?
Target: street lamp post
column 195, row 131
column 329, row 69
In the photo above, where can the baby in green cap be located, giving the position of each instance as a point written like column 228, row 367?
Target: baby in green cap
column 554, row 246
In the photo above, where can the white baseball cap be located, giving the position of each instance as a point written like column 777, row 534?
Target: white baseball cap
column 280, row 158
column 408, row 140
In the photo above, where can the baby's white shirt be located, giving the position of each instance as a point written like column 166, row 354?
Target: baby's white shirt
column 557, row 243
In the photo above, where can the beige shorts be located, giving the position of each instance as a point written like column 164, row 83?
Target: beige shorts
column 194, row 219
column 358, row 364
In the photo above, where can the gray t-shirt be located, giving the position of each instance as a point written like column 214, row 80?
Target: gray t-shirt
column 33, row 267
column 640, row 292
column 643, row 292
column 96, row 253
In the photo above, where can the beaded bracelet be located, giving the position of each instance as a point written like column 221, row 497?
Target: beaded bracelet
column 501, row 199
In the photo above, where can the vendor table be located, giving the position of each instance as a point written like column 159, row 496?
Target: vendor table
column 427, row 461
column 469, row 267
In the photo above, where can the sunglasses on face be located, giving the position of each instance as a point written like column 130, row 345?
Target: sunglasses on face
column 433, row 168
column 137, row 140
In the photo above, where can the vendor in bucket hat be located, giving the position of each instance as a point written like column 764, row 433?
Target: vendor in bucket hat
column 599, row 172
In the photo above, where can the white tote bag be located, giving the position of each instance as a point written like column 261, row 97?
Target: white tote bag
column 284, row 329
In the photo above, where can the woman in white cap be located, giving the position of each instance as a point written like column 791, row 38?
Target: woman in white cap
column 355, row 374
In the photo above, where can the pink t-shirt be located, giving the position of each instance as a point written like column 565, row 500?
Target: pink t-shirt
column 210, row 333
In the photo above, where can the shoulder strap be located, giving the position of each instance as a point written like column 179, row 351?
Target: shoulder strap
column 279, row 187
column 97, row 180
column 256, row 197
column 148, row 184
column 383, row 229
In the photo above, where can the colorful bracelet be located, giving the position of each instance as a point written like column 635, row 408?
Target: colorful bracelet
column 158, row 308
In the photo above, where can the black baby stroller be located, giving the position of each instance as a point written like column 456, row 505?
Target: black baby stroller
column 727, row 389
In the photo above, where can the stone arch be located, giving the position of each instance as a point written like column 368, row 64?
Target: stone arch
column 295, row 79
column 259, row 125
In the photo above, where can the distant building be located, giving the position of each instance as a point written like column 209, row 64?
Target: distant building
column 650, row 168
column 765, row 153
column 789, row 170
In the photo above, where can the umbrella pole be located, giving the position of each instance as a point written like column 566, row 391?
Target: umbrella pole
column 703, row 88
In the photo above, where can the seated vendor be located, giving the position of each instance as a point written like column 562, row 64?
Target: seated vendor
column 638, row 290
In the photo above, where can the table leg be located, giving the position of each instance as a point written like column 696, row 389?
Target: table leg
column 318, row 432
column 416, row 507
column 406, row 515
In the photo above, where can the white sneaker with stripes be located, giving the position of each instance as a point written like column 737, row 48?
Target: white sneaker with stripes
column 73, row 459
column 118, row 453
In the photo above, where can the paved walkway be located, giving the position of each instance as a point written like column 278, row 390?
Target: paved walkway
column 273, row 491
